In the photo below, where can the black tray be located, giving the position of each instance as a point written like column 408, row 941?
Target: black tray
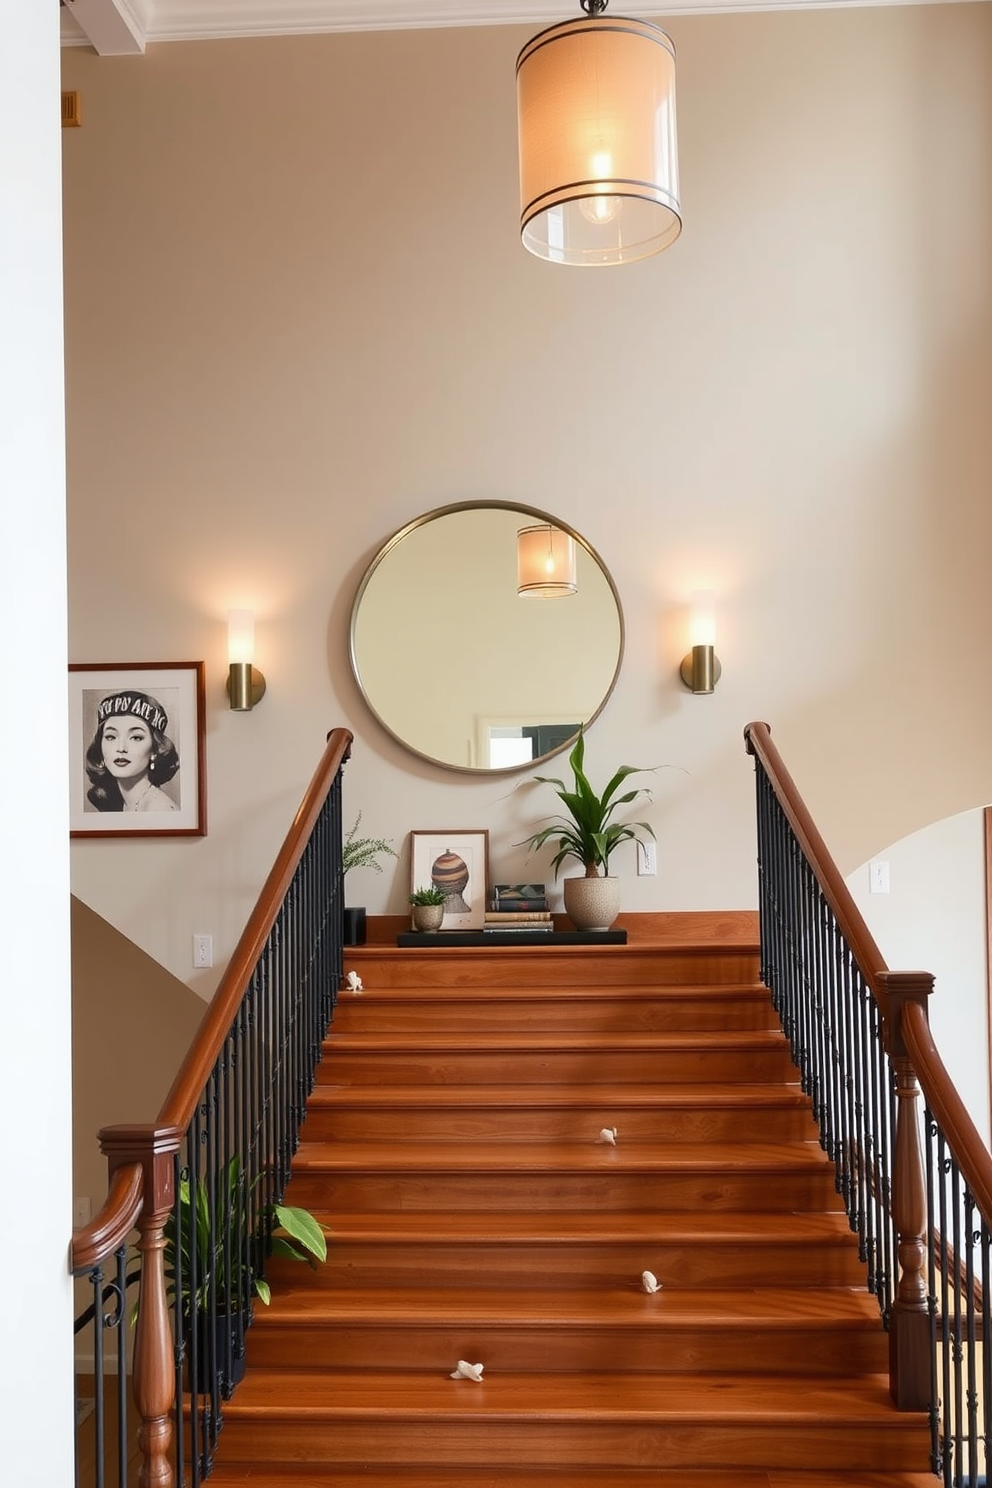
column 528, row 938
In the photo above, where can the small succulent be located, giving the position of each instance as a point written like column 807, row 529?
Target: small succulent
column 364, row 852
column 433, row 895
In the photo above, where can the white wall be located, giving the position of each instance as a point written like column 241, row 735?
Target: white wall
column 934, row 919
column 298, row 315
column 35, row 1075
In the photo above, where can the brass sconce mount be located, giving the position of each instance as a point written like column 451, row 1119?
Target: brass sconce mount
column 701, row 669
column 245, row 686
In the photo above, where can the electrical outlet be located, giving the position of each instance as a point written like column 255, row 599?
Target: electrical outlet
column 647, row 859
column 203, row 951
column 878, row 876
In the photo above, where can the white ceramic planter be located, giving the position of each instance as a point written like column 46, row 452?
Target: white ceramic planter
column 592, row 903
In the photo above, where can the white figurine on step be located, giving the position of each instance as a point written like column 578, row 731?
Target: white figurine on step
column 650, row 1282
column 468, row 1371
column 609, row 1136
column 354, row 981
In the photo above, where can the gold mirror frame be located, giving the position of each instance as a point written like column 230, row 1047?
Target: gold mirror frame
column 407, row 661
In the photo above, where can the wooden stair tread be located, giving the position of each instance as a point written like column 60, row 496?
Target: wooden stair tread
column 536, row 1157
column 558, row 1097
column 297, row 1395
column 375, row 1475
column 576, row 1228
column 612, row 1307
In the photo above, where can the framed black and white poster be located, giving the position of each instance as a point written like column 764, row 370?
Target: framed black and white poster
column 136, row 749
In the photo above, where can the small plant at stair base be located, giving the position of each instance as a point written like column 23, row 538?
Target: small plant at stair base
column 432, row 895
column 364, row 852
column 226, row 1269
column 588, row 832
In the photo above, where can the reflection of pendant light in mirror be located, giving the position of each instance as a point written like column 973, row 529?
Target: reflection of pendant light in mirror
column 599, row 176
column 546, row 565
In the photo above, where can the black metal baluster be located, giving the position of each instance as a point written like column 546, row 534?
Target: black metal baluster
column 985, row 1338
column 930, row 1131
column 971, row 1383
column 118, row 1321
column 99, row 1383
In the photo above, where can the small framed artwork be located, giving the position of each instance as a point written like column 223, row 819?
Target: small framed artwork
column 458, row 863
column 136, row 750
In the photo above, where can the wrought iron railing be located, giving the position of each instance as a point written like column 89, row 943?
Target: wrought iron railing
column 916, row 1183
column 199, row 1185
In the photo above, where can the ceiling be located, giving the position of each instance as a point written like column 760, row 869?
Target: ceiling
column 121, row 27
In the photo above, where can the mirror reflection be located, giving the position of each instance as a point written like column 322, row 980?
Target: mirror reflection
column 461, row 667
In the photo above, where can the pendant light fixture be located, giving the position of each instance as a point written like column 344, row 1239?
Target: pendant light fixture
column 599, row 181
column 546, row 567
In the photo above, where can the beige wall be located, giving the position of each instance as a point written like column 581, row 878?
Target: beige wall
column 935, row 917
column 298, row 314
column 132, row 1024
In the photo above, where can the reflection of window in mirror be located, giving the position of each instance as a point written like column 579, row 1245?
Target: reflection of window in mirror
column 506, row 743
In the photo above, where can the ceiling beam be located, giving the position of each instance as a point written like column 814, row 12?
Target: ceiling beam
column 111, row 26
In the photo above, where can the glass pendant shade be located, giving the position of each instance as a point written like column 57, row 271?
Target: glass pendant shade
column 598, row 153
column 546, row 567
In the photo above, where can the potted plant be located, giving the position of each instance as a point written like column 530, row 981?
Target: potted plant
column 427, row 908
column 589, row 834
column 360, row 852
column 211, row 1229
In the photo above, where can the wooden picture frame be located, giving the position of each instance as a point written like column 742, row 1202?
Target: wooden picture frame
column 155, row 712
column 457, row 861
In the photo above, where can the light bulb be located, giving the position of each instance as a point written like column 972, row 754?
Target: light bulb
column 600, row 209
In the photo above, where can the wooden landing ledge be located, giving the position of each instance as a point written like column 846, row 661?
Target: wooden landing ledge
column 733, row 929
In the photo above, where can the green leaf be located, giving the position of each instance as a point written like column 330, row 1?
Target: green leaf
column 302, row 1227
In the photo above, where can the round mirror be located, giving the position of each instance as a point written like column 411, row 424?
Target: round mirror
column 464, row 658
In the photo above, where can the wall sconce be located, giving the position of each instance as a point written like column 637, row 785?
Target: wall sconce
column 701, row 669
column 546, row 566
column 245, row 684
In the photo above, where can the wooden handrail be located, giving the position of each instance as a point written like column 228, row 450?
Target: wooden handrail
column 142, row 1159
column 180, row 1103
column 970, row 1152
column 758, row 738
column 114, row 1221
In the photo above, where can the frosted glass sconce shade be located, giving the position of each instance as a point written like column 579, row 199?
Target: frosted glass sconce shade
column 701, row 669
column 245, row 685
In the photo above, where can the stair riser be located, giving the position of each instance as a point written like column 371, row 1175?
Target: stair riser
column 365, row 1013
column 552, row 1349
column 694, row 1264
column 472, row 1438
column 547, row 967
column 346, row 1124
column 760, row 1192
column 350, row 1066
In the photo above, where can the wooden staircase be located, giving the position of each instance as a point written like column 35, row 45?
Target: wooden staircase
column 453, row 1147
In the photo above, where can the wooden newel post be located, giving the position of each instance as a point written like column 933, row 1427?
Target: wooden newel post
column 910, row 1353
column 154, row 1380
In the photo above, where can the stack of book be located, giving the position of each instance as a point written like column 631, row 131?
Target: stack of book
column 520, row 907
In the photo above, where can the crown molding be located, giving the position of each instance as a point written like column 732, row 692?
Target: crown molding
column 206, row 20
